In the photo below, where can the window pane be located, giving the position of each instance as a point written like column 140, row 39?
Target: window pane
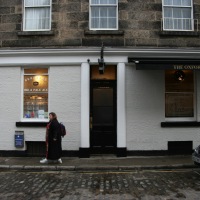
column 112, row 12
column 36, row 71
column 113, row 1
column 186, row 2
column 187, row 24
column 37, row 2
column 95, row 12
column 177, row 24
column 101, row 2
column 181, row 18
column 104, row 1
column 177, row 2
column 179, row 94
column 94, row 1
column 173, row 85
column 168, row 2
column 167, row 12
column 103, row 23
column 168, row 23
column 179, row 105
column 95, row 17
column 95, row 22
column 103, row 17
column 37, row 18
column 186, row 12
column 177, row 13
column 36, row 95
column 112, row 23
column 103, row 12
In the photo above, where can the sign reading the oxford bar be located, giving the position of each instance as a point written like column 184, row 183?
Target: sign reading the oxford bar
column 165, row 63
column 186, row 67
column 156, row 66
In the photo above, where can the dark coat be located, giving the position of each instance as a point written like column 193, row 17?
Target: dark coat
column 54, row 146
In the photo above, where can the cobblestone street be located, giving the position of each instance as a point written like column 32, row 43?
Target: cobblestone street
column 125, row 185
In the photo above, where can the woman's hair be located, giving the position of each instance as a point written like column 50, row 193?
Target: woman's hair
column 53, row 115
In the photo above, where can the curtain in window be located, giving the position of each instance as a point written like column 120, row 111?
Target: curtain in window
column 102, row 16
column 37, row 14
column 37, row 2
column 177, row 15
column 177, row 2
column 103, row 2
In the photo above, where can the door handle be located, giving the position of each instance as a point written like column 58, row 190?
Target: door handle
column 91, row 122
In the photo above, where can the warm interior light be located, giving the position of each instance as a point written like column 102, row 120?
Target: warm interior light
column 179, row 75
column 38, row 78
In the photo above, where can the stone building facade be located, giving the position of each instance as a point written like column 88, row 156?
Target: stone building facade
column 143, row 113
column 140, row 24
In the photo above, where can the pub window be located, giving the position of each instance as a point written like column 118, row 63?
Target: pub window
column 35, row 98
column 37, row 15
column 179, row 95
column 178, row 15
column 103, row 14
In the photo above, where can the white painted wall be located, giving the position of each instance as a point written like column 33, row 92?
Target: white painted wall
column 64, row 95
column 145, row 107
column 10, row 87
column 65, row 101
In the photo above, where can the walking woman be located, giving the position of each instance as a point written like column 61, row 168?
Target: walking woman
column 53, row 140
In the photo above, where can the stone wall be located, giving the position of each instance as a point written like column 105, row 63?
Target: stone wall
column 139, row 25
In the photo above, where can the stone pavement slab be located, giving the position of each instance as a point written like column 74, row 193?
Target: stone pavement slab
column 105, row 162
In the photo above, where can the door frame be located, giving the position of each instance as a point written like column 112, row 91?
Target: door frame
column 103, row 83
column 84, row 149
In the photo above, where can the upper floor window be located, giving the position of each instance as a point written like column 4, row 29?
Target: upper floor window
column 103, row 14
column 178, row 15
column 37, row 15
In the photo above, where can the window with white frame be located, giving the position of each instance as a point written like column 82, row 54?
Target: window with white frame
column 103, row 14
column 178, row 15
column 35, row 94
column 37, row 15
column 179, row 95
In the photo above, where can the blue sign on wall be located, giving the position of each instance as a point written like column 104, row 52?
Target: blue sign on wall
column 19, row 139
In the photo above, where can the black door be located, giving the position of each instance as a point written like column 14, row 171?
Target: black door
column 103, row 116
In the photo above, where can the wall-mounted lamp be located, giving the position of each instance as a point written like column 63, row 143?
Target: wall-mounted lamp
column 101, row 61
column 179, row 75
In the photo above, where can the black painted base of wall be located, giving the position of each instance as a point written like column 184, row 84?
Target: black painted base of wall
column 180, row 147
column 157, row 153
column 26, row 154
column 121, row 152
column 38, row 149
column 148, row 153
column 13, row 154
column 84, row 152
